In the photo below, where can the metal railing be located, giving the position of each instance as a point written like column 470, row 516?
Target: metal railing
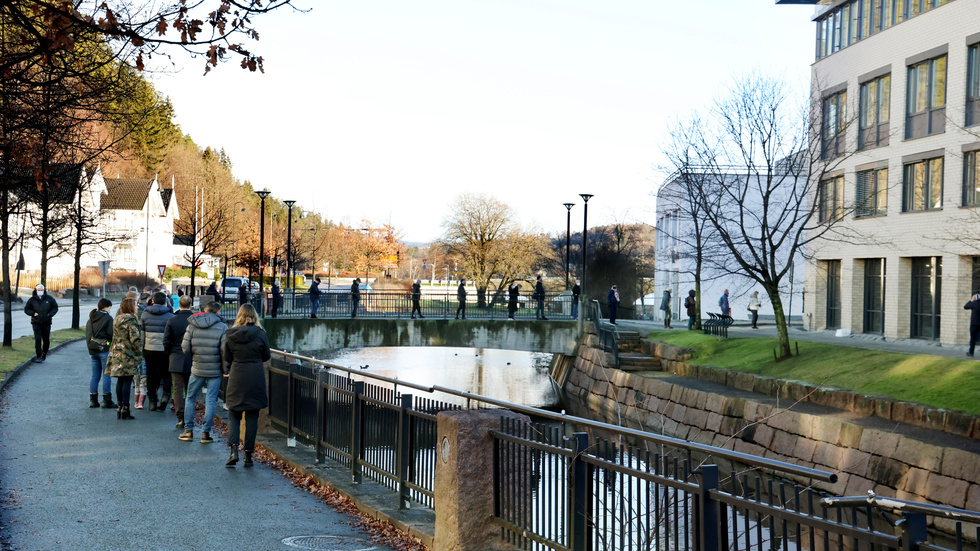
column 399, row 305
column 628, row 490
column 607, row 333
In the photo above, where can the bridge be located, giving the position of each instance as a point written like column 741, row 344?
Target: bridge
column 313, row 336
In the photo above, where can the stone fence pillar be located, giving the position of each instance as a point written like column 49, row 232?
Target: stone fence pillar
column 464, row 480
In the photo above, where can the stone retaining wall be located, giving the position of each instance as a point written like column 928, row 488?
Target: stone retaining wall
column 888, row 461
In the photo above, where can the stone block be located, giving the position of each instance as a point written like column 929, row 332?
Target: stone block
column 865, row 405
column 733, row 407
column 744, row 381
column 749, row 448
column 959, row 423
column 916, row 481
column 680, row 413
column 715, row 403
column 947, row 491
column 714, row 422
column 764, row 385
column 714, row 375
column 788, row 421
column 909, row 413
column 804, row 448
column 689, row 397
column 855, row 462
column 858, row 486
column 879, row 442
column 669, row 427
column 883, row 407
column 764, row 411
column 887, row 472
column 960, row 464
column 850, row 435
column 675, row 393
column 825, row 429
column 763, row 435
column 828, row 455
column 600, row 388
column 973, row 498
column 731, row 426
column 922, row 455
column 588, row 327
column 636, row 397
column 621, row 394
column 697, row 418
column 935, row 418
column 783, row 443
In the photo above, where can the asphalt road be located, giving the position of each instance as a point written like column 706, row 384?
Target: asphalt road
column 76, row 478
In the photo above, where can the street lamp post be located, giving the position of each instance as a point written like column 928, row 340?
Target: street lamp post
column 568, row 241
column 289, row 244
column 263, row 194
column 585, row 238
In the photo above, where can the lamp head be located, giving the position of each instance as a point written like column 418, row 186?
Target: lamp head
column 263, row 194
column 585, row 196
column 569, row 205
column 289, row 204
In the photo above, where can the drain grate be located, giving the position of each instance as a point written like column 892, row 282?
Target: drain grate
column 329, row 543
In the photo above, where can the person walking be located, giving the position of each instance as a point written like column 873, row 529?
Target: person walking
column 539, row 299
column 98, row 337
column 974, row 305
column 175, row 298
column 155, row 319
column 461, row 297
column 665, row 306
column 203, row 342
column 726, row 309
column 576, row 293
column 276, row 297
column 179, row 363
column 513, row 293
column 612, row 298
column 41, row 307
column 355, row 297
column 125, row 353
column 417, row 298
column 314, row 297
column 246, row 349
column 691, row 303
column 245, row 292
column 212, row 290
column 754, row 305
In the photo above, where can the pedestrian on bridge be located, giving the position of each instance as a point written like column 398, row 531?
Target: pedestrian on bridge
column 355, row 297
column 125, row 353
column 276, row 297
column 314, row 298
column 245, row 293
column 973, row 305
column 41, row 307
column 98, row 337
column 539, row 299
column 576, row 293
column 612, row 298
column 691, row 303
column 513, row 293
column 417, row 298
column 246, row 348
column 461, row 296
column 665, row 306
column 203, row 342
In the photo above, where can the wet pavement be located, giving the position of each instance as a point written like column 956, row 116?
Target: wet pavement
column 72, row 477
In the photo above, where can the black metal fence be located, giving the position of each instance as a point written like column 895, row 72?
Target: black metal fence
column 607, row 333
column 399, row 305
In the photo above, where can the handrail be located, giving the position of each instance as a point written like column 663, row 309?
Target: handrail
column 900, row 505
column 740, row 457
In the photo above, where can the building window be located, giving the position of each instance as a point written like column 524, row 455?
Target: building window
column 926, row 100
column 834, row 124
column 833, row 293
column 975, row 279
column 831, row 199
column 874, row 295
column 927, row 290
column 875, row 104
column 923, row 185
column 971, row 183
column 973, row 86
column 871, row 198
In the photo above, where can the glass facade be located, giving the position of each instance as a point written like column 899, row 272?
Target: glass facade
column 874, row 295
column 971, row 184
column 927, row 289
column 831, row 206
column 926, row 99
column 833, row 293
column 871, row 197
column 973, row 85
column 923, row 185
column 874, row 105
column 834, row 124
column 856, row 20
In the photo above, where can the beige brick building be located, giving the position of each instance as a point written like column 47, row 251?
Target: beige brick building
column 897, row 86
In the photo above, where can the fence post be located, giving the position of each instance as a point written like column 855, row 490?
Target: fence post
column 405, row 455
column 914, row 531
column 578, row 515
column 290, row 402
column 320, row 415
column 357, row 433
column 707, row 511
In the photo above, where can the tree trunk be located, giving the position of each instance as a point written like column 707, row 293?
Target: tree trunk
column 781, row 329
column 76, row 285
column 8, row 330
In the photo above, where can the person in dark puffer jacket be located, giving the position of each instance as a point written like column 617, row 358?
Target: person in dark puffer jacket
column 180, row 363
column 246, row 348
column 203, row 342
column 155, row 318
column 98, row 337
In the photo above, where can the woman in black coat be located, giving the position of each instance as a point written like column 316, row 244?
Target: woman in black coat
column 246, row 348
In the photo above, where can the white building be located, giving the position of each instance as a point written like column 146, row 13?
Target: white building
column 898, row 87
column 138, row 212
column 675, row 264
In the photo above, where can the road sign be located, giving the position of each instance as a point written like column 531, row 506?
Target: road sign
column 104, row 267
column 162, row 268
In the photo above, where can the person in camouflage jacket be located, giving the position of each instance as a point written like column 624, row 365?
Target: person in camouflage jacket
column 125, row 354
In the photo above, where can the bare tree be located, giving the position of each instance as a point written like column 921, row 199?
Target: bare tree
column 763, row 184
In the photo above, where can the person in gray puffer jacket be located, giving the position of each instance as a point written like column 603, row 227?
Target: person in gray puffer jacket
column 155, row 318
column 203, row 342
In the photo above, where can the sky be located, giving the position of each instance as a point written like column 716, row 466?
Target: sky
column 387, row 110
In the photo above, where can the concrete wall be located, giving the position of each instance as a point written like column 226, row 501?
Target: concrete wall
column 891, row 459
column 311, row 336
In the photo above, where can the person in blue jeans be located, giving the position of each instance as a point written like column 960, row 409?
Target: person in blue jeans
column 98, row 336
column 203, row 342
column 314, row 297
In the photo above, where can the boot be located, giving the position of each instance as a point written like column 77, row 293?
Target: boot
column 153, row 402
column 93, row 400
column 118, row 412
column 233, row 458
column 125, row 413
column 139, row 401
column 164, row 403
column 248, row 459
column 107, row 401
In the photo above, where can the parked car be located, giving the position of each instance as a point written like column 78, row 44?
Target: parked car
column 230, row 286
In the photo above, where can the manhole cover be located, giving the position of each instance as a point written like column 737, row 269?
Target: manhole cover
column 329, row 543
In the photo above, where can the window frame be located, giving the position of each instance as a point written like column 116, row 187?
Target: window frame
column 878, row 129
column 830, row 207
column 934, row 116
column 971, row 172
column 973, row 85
column 833, row 133
column 877, row 195
column 908, row 191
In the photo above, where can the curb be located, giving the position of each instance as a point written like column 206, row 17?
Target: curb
column 30, row 361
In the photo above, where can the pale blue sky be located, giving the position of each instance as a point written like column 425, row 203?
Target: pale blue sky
column 387, row 109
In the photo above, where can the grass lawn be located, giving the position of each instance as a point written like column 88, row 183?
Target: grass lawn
column 935, row 381
column 23, row 349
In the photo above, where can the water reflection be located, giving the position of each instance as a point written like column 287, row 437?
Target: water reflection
column 510, row 375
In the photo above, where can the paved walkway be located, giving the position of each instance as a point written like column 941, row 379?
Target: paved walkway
column 76, row 478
